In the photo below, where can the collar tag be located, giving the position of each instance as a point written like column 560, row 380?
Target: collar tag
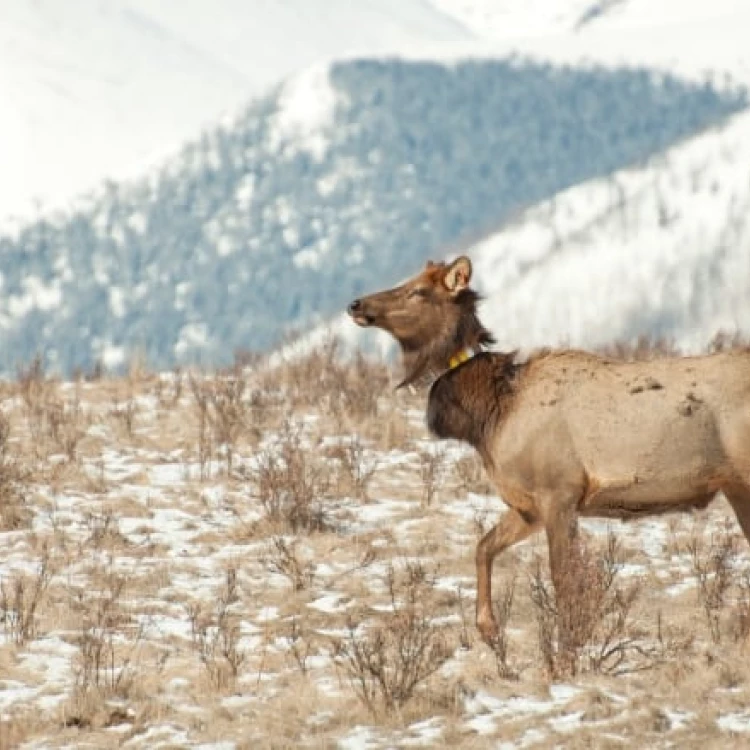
column 459, row 358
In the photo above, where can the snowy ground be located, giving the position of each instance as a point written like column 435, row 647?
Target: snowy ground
column 176, row 608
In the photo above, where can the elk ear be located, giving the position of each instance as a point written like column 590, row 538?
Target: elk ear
column 458, row 275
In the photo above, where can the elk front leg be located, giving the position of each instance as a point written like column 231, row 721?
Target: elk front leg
column 512, row 528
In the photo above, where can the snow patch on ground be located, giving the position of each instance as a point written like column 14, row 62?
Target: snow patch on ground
column 738, row 721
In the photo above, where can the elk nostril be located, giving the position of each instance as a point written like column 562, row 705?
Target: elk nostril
column 354, row 306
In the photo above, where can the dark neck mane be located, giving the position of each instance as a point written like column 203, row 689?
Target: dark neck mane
column 468, row 402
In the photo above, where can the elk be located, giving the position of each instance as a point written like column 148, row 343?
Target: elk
column 567, row 433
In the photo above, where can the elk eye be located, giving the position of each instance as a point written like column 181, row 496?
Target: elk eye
column 418, row 292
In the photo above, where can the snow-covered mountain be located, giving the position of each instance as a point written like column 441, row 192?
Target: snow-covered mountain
column 659, row 250
column 345, row 176
column 353, row 172
column 92, row 90
column 518, row 22
column 662, row 250
column 503, row 19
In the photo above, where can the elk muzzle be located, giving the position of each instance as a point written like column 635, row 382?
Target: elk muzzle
column 358, row 313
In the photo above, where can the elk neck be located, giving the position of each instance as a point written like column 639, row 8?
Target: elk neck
column 456, row 335
column 469, row 401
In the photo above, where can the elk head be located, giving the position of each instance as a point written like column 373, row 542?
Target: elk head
column 432, row 316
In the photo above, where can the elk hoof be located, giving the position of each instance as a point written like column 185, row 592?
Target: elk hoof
column 488, row 630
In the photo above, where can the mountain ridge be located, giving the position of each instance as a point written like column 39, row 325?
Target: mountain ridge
column 95, row 90
column 277, row 220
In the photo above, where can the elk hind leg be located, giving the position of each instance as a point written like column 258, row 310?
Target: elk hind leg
column 568, row 567
column 739, row 498
column 512, row 528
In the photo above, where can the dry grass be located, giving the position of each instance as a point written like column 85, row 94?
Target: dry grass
column 56, row 422
column 723, row 584
column 276, row 557
column 501, row 646
column 300, row 640
column 712, row 565
column 109, row 641
column 347, row 391
column 471, row 475
column 21, row 596
column 216, row 633
column 431, row 466
column 283, row 557
column 12, row 733
column 14, row 484
column 357, row 465
column 645, row 347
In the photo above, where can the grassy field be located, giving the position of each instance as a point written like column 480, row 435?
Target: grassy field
column 280, row 557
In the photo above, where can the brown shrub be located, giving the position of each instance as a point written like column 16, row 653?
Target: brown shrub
column 14, row 479
column 431, row 465
column 300, row 642
column 643, row 348
column 347, row 389
column 500, row 647
column 201, row 395
column 740, row 616
column 228, row 413
column 283, row 558
column 356, row 468
column 109, row 646
column 168, row 389
column 291, row 484
column 125, row 412
column 216, row 635
column 472, row 476
column 21, row 596
column 713, row 567
column 385, row 662
column 587, row 624
column 67, row 423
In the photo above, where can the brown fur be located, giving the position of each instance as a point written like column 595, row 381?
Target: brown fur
column 569, row 433
column 430, row 322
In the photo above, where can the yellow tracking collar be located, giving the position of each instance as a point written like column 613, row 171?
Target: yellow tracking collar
column 459, row 358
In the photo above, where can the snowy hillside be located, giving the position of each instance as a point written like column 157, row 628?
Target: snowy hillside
column 92, row 90
column 500, row 19
column 509, row 21
column 662, row 250
column 348, row 176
